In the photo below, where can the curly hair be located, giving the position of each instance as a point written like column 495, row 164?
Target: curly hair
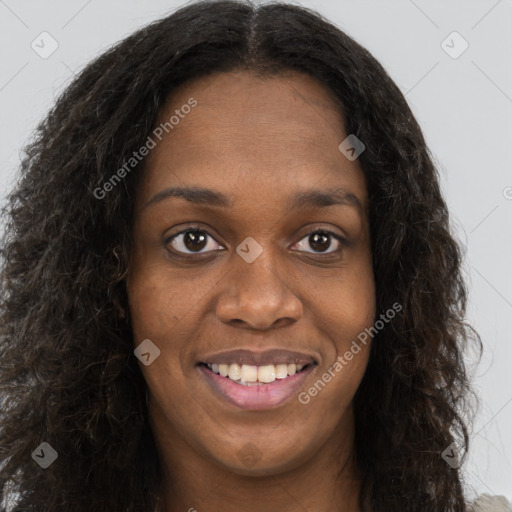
column 68, row 375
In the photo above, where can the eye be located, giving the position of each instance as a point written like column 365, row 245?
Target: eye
column 190, row 241
column 321, row 240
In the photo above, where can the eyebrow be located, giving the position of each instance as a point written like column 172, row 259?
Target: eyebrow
column 315, row 198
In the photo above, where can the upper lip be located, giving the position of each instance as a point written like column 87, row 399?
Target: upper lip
column 251, row 357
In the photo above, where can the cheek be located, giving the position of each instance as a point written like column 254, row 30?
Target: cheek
column 160, row 310
column 158, row 303
column 345, row 304
column 155, row 310
column 152, row 312
column 346, row 323
column 345, row 310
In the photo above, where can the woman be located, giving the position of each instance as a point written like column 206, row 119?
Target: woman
column 229, row 282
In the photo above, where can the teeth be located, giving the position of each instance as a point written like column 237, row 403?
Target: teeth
column 267, row 373
column 234, row 371
column 281, row 371
column 250, row 375
column 248, row 383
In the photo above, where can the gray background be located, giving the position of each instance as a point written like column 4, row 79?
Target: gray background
column 464, row 106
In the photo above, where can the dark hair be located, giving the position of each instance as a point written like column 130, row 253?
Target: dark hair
column 68, row 374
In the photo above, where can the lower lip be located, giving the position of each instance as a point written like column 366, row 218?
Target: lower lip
column 264, row 396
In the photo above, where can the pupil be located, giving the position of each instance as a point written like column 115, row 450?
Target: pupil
column 324, row 243
column 194, row 241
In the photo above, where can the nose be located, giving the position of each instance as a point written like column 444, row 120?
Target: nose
column 256, row 296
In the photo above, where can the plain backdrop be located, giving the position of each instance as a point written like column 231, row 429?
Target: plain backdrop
column 462, row 100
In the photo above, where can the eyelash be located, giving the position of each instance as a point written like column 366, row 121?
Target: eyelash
column 188, row 256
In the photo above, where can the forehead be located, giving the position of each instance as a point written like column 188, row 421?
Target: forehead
column 250, row 134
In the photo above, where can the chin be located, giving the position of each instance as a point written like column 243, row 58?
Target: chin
column 249, row 460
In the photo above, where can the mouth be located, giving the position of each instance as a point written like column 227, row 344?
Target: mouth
column 256, row 387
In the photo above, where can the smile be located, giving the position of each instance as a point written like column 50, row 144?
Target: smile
column 256, row 387
column 248, row 374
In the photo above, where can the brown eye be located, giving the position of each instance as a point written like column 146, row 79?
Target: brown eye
column 194, row 240
column 321, row 239
column 190, row 241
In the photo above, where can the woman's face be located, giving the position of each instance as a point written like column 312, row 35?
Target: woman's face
column 239, row 267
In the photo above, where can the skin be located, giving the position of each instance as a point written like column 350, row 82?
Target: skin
column 258, row 141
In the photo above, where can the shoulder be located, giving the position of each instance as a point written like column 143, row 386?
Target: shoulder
column 488, row 503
